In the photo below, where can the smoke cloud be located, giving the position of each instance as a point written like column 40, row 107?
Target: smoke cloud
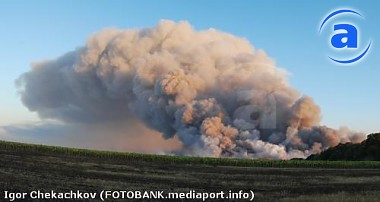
column 210, row 90
column 109, row 136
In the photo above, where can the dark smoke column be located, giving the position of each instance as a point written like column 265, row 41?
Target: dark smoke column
column 212, row 90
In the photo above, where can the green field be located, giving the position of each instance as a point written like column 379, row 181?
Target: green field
column 26, row 167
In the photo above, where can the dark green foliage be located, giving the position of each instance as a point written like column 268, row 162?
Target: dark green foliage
column 369, row 149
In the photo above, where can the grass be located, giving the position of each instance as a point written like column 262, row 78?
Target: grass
column 338, row 197
column 188, row 159
column 26, row 167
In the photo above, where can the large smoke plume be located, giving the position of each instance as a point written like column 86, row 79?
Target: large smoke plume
column 209, row 89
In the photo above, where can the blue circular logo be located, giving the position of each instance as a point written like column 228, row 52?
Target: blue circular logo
column 345, row 37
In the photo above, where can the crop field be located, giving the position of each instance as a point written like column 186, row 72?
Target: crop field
column 26, row 167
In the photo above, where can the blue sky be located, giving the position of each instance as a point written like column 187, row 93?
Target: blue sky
column 286, row 30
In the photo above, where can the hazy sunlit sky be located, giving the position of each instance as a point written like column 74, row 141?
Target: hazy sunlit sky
column 286, row 30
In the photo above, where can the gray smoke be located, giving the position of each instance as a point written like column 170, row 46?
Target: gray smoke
column 127, row 136
column 209, row 89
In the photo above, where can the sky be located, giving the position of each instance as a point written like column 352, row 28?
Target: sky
column 286, row 30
